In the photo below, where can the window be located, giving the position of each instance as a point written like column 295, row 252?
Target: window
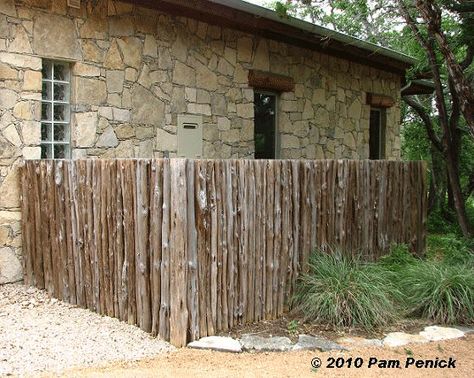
column 265, row 125
column 55, row 110
column 377, row 134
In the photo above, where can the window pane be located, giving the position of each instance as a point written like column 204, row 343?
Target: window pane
column 265, row 120
column 46, row 91
column 376, row 135
column 60, row 132
column 46, row 70
column 46, row 132
column 60, row 72
column 59, row 151
column 46, row 152
column 61, row 92
column 46, row 111
column 61, row 112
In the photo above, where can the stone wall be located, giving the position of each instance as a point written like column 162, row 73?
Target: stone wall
column 134, row 70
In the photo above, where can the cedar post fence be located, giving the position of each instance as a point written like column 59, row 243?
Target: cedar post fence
column 188, row 248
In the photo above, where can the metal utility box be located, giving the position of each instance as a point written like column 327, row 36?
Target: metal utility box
column 189, row 136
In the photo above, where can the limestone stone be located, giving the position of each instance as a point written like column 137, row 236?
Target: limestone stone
column 95, row 27
column 89, row 70
column 290, row 141
column 21, row 42
column 10, row 266
column 190, row 94
column 178, row 102
column 203, row 97
column 179, row 49
column 31, row 132
column 395, row 339
column 113, row 59
column 288, row 106
column 219, row 343
column 355, row 110
column 306, row 342
column 166, row 141
column 223, row 123
column 86, row 129
column 7, row 7
column 131, row 48
column 144, row 132
column 9, row 190
column 121, row 26
column 245, row 110
column 349, row 140
column 7, row 73
column 115, row 81
column 199, row 109
column 225, row 68
column 31, row 152
column 131, row 74
column 262, row 56
column 437, row 333
column 27, row 110
column 90, row 91
column 121, row 115
column 20, row 61
column 4, row 235
column 218, row 104
column 92, row 52
column 11, row 134
column 205, row 78
column 244, row 49
column 146, row 108
column 184, row 75
column 47, row 28
column 32, row 81
column 125, row 131
column 265, row 344
column 8, row 98
column 145, row 149
column 108, row 138
column 150, row 47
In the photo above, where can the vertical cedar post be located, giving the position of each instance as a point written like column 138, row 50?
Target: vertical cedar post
column 178, row 236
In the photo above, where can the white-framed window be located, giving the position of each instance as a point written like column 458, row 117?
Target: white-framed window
column 55, row 110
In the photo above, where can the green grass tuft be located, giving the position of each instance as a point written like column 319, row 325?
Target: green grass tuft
column 343, row 291
column 439, row 292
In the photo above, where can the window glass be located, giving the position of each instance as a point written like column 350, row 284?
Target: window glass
column 377, row 134
column 265, row 125
column 55, row 110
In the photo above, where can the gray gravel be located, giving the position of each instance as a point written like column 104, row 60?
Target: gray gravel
column 42, row 334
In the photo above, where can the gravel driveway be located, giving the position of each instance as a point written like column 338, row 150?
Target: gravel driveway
column 39, row 333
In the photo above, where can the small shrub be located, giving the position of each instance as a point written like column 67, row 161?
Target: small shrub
column 398, row 258
column 344, row 291
column 450, row 249
column 440, row 292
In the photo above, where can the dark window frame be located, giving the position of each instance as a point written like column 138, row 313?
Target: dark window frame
column 275, row 153
column 377, row 133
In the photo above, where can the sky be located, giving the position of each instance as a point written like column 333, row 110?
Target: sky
column 258, row 2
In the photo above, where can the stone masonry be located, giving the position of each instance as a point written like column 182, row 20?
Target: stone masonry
column 134, row 70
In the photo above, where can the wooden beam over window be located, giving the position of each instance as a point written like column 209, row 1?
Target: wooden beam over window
column 270, row 81
column 380, row 101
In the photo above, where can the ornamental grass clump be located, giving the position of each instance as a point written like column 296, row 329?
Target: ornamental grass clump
column 346, row 292
column 439, row 292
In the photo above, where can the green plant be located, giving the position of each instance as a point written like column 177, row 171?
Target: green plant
column 293, row 327
column 450, row 248
column 438, row 291
column 398, row 258
column 344, row 291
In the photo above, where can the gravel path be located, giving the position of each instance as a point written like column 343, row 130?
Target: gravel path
column 39, row 333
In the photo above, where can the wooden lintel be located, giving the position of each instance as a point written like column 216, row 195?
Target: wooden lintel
column 379, row 100
column 271, row 81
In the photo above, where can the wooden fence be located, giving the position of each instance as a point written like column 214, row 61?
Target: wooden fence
column 187, row 248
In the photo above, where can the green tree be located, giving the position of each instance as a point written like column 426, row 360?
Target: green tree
column 440, row 35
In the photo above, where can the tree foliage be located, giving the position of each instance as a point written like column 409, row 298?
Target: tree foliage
column 440, row 34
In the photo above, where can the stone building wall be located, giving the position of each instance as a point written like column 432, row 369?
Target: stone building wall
column 134, row 70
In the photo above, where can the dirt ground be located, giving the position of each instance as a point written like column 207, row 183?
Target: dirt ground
column 194, row 363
